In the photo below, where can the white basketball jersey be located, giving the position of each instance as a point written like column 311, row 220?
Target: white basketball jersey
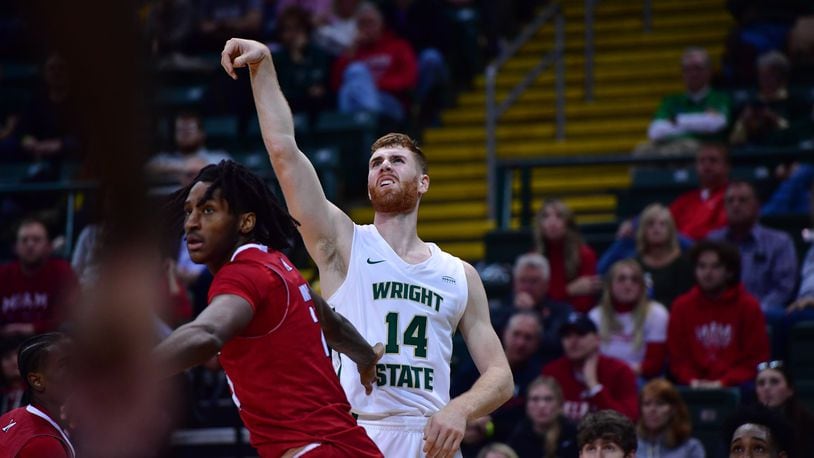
column 413, row 309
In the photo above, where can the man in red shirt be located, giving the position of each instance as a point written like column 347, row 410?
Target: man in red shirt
column 264, row 322
column 36, row 290
column 589, row 380
column 717, row 333
column 379, row 72
column 701, row 210
column 34, row 431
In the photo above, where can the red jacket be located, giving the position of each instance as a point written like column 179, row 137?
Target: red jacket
column 558, row 282
column 696, row 215
column 716, row 339
column 391, row 60
column 619, row 391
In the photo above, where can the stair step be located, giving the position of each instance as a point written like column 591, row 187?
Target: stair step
column 573, row 112
column 611, row 59
column 473, row 189
column 621, row 76
column 535, row 132
column 634, row 41
column 454, row 154
column 635, row 23
column 661, row 8
column 575, row 93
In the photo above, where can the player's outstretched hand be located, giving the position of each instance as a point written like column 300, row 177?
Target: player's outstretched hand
column 239, row 53
column 368, row 374
column 444, row 432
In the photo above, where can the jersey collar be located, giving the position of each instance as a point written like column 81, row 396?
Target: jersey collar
column 246, row 247
column 35, row 411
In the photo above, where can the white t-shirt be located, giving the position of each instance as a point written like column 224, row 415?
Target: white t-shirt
column 621, row 344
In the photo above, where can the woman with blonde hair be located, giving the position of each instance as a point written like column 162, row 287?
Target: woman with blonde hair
column 545, row 432
column 664, row 424
column 632, row 327
column 668, row 272
column 573, row 276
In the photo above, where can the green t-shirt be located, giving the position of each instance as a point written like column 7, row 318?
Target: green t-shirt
column 675, row 104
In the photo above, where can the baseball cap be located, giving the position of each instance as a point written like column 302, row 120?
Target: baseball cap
column 578, row 323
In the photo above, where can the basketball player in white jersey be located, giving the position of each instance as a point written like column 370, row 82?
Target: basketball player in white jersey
column 391, row 285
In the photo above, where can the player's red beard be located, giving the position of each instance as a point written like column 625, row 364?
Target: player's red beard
column 392, row 200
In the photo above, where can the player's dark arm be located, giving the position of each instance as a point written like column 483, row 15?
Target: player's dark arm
column 201, row 339
column 342, row 336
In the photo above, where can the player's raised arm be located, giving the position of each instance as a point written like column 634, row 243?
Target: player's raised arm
column 202, row 338
column 325, row 228
column 495, row 385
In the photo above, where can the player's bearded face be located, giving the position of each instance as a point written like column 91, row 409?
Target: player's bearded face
column 394, row 199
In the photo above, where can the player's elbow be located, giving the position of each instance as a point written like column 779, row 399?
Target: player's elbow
column 205, row 340
column 506, row 386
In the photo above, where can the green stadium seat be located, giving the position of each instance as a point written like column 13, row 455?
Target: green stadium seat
column 709, row 410
column 326, row 162
column 505, row 245
column 302, row 130
column 13, row 172
column 181, row 96
column 801, row 351
column 221, row 132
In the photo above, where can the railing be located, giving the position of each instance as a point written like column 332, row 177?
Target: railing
column 495, row 109
column 507, row 169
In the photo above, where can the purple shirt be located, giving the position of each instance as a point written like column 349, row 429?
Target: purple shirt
column 768, row 264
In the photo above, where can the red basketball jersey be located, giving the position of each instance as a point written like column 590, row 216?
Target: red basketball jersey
column 279, row 368
column 28, row 431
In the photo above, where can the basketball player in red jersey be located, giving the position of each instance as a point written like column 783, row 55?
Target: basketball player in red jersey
column 265, row 323
column 34, row 431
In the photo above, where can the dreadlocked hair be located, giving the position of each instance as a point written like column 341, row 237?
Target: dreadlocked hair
column 30, row 356
column 245, row 192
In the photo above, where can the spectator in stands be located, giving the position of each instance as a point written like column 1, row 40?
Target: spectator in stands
column 191, row 156
column 717, row 333
column 426, row 26
column 757, row 431
column 302, row 67
column 589, row 380
column 762, row 26
column 544, row 432
column 606, row 434
column 530, row 277
column 379, row 72
column 221, row 20
column 767, row 117
column 37, row 290
column 338, row 34
column 170, row 27
column 768, row 259
column 700, row 113
column 667, row 269
column 700, row 211
column 775, row 390
column 11, row 386
column 521, row 344
column 695, row 212
column 793, row 196
column 318, row 10
column 47, row 132
column 573, row 276
column 632, row 328
column 497, row 450
column 664, row 424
